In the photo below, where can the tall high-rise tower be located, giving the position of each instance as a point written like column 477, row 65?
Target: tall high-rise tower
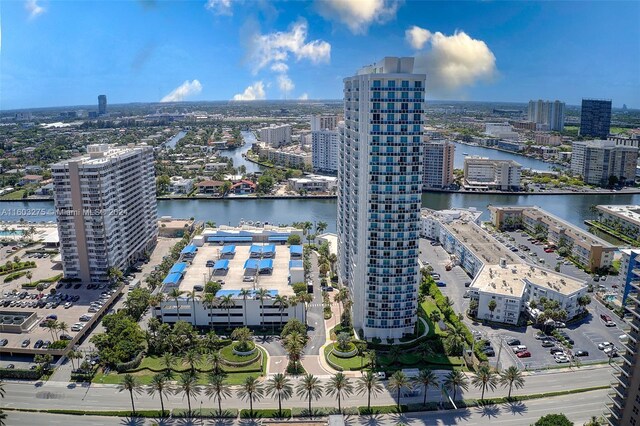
column 102, row 104
column 379, row 195
column 595, row 118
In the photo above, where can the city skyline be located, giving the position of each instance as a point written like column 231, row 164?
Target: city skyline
column 302, row 50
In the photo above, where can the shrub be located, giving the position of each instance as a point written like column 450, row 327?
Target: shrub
column 14, row 276
column 383, row 409
column 6, row 373
column 130, row 365
column 265, row 413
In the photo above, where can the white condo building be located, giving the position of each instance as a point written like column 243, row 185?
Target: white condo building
column 486, row 174
column 379, row 195
column 598, row 161
column 324, row 122
column 106, row 209
column 324, row 150
column 547, row 115
column 275, row 135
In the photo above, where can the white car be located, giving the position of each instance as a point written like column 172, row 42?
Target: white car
column 519, row 348
column 68, row 305
column 610, row 351
column 604, row 345
column 77, row 326
column 561, row 359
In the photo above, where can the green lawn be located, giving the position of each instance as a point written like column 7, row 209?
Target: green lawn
column 15, row 195
column 227, row 353
column 429, row 306
column 353, row 363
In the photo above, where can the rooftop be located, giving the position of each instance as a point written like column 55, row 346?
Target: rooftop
column 510, row 280
column 630, row 213
column 486, row 248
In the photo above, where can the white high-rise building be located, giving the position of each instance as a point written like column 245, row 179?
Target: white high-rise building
column 379, row 195
column 547, row 115
column 106, row 210
column 603, row 162
column 324, row 122
column 324, row 150
column 275, row 135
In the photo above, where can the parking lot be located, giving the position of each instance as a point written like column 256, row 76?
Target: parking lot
column 587, row 334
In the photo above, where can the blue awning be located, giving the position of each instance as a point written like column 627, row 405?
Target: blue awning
column 236, row 293
column 221, row 264
column 297, row 250
column 295, row 264
column 269, row 248
column 172, row 278
column 190, row 249
column 251, row 264
column 265, row 264
column 228, row 249
column 255, row 249
column 238, row 239
column 178, row 268
column 278, row 238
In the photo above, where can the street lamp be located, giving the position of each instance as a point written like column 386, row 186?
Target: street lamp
column 201, row 417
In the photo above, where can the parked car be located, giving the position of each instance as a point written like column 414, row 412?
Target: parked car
column 605, row 317
column 580, row 352
column 65, row 337
column 556, row 350
column 547, row 344
column 519, row 348
column 25, row 343
column 46, row 344
column 3, row 342
column 441, row 284
column 610, row 324
column 561, row 359
column 523, row 354
column 513, row 342
column 68, row 305
column 604, row 345
column 38, row 344
column 489, row 351
column 10, row 366
column 611, row 351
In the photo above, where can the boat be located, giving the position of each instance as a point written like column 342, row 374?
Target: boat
column 465, row 153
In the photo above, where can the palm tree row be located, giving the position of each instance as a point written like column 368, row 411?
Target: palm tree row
column 309, row 388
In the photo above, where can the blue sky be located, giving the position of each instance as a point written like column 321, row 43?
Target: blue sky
column 56, row 53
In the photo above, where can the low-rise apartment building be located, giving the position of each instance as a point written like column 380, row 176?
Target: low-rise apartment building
column 483, row 173
column 591, row 252
column 624, row 219
column 292, row 156
column 313, row 183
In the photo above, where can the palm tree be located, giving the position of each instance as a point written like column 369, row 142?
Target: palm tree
column 305, row 299
column 454, row 342
column 188, row 385
column 279, row 386
column 426, row 379
column 245, row 293
column 175, row 295
column 29, row 275
column 249, row 390
column 169, row 362
column 52, row 325
column 210, row 302
column 293, row 344
column 216, row 362
column 130, row 383
column 372, row 357
column 309, row 388
column 63, row 327
column 512, row 377
column 261, row 293
column 484, row 378
column 398, row 381
column 227, row 302
column 321, row 227
column 217, row 387
column 455, row 380
column 192, row 357
column 368, row 384
column 492, row 306
column 192, row 295
column 339, row 386
column 160, row 385
column 282, row 303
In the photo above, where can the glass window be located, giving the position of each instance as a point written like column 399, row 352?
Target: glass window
column 376, row 83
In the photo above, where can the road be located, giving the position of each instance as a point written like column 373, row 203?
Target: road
column 578, row 408
column 57, row 395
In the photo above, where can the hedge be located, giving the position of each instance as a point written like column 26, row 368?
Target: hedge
column 383, row 409
column 139, row 413
column 11, row 373
column 16, row 267
column 322, row 411
column 265, row 413
column 130, row 365
column 14, row 276
column 34, row 284
column 209, row 413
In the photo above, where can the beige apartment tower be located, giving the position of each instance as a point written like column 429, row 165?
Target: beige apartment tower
column 106, row 210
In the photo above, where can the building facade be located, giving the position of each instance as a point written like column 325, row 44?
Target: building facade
column 275, row 135
column 487, row 174
column 602, row 162
column 102, row 104
column 595, row 118
column 590, row 251
column 292, row 156
column 106, row 210
column 324, row 122
column 547, row 115
column 438, row 164
column 324, row 150
column 379, row 195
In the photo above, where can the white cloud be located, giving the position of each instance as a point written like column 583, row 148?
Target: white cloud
column 280, row 67
column 276, row 47
column 358, row 15
column 186, row 89
column 219, row 7
column 304, row 97
column 417, row 37
column 34, row 8
column 455, row 61
column 252, row 93
column 285, row 83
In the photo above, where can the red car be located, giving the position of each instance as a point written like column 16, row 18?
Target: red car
column 525, row 354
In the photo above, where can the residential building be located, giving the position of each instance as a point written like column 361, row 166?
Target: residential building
column 313, row 183
column 481, row 173
column 500, row 130
column 602, row 162
column 595, row 118
column 324, row 150
column 291, row 156
column 102, row 104
column 209, row 186
column 629, row 271
column 624, row 408
column 633, row 141
column 324, row 122
column 438, row 164
column 622, row 218
column 106, row 207
column 23, row 116
column 180, row 185
column 243, row 187
column 543, row 138
column 547, row 115
column 275, row 135
column 431, row 219
column 380, row 167
column 591, row 252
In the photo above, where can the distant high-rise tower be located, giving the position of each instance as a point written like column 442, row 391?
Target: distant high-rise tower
column 438, row 164
column 102, row 104
column 549, row 115
column 380, row 194
column 595, row 118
